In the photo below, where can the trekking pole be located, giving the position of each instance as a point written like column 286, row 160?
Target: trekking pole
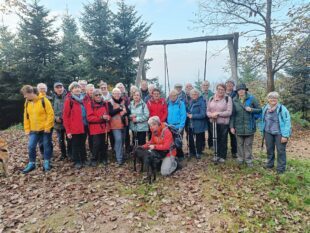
column 188, row 150
column 214, row 126
column 263, row 140
column 194, row 137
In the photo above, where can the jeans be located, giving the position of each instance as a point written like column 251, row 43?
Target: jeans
column 62, row 137
column 100, row 147
column 34, row 139
column 244, row 145
column 78, row 147
column 41, row 147
column 273, row 141
column 119, row 136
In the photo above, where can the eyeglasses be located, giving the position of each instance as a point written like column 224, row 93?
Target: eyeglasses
column 103, row 87
column 98, row 95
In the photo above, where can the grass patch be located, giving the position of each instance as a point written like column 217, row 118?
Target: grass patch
column 259, row 200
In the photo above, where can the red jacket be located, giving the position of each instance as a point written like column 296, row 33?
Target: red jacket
column 94, row 110
column 72, row 116
column 162, row 140
column 158, row 108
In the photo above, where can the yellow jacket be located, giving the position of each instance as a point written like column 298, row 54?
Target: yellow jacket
column 37, row 117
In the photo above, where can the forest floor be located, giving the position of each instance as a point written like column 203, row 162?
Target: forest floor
column 202, row 197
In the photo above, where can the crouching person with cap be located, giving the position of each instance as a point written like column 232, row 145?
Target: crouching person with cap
column 162, row 146
column 38, row 124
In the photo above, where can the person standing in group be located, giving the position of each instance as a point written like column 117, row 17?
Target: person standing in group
column 230, row 85
column 139, row 114
column 105, row 92
column 243, row 123
column 157, row 106
column 88, row 98
column 219, row 110
column 207, row 94
column 176, row 116
column 118, row 122
column 181, row 94
column 75, row 123
column 58, row 105
column 197, row 125
column 83, row 84
column 144, row 90
column 188, row 88
column 38, row 124
column 98, row 120
column 133, row 90
column 151, row 88
column 126, row 100
column 276, row 129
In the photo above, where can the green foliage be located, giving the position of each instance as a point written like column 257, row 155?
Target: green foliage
column 128, row 30
column 98, row 47
column 298, row 119
column 36, row 46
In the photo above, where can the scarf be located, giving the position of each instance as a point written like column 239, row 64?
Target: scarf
column 79, row 99
column 272, row 109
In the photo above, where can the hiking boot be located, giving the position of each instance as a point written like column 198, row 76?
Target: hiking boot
column 234, row 156
column 221, row 160
column 78, row 165
column 93, row 163
column 87, row 163
column 46, row 166
column 215, row 159
column 30, row 167
column 198, row 156
column 268, row 166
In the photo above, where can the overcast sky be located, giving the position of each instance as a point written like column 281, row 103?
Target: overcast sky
column 171, row 19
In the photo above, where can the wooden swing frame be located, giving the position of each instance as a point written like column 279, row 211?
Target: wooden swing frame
column 233, row 43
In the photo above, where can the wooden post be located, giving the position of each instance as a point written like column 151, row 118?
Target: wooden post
column 141, row 64
column 236, row 47
column 233, row 61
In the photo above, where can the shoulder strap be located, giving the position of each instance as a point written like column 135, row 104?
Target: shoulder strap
column 226, row 98
column 43, row 102
column 26, row 109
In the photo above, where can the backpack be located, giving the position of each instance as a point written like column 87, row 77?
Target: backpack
column 27, row 102
column 226, row 98
column 177, row 137
column 248, row 102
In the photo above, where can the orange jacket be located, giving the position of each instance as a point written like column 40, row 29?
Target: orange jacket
column 162, row 140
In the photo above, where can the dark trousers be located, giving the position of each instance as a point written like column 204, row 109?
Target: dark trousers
column 100, row 148
column 196, row 142
column 222, row 134
column 140, row 136
column 78, row 147
column 210, row 134
column 62, row 140
column 233, row 143
column 273, row 141
column 90, row 140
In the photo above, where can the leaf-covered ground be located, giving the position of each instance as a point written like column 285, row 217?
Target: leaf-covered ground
column 201, row 197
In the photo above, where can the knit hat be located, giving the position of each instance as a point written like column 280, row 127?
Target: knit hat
column 242, row 86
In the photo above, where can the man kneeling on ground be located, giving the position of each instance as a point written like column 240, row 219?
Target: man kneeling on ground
column 162, row 145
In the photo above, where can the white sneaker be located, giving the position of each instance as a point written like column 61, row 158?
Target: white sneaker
column 221, row 160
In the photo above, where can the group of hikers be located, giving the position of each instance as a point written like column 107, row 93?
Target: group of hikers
column 142, row 117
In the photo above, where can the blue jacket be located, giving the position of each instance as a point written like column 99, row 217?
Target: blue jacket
column 284, row 120
column 176, row 113
column 198, row 109
column 142, row 113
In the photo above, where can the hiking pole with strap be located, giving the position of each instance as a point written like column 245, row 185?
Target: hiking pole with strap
column 194, row 137
column 214, row 126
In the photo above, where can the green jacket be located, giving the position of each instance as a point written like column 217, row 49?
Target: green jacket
column 206, row 96
column 58, row 105
column 241, row 120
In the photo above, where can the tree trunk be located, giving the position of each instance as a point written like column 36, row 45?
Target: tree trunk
column 268, row 56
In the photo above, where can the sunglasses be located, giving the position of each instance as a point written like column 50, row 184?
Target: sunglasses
column 98, row 95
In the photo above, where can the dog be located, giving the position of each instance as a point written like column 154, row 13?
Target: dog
column 149, row 159
column 4, row 156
